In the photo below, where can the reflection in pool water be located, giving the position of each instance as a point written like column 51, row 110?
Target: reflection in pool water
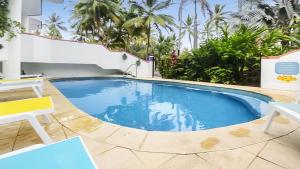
column 156, row 106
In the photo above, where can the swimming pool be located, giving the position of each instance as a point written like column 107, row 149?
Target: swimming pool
column 162, row 106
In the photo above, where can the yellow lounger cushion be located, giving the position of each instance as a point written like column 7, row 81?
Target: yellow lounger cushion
column 27, row 105
column 20, row 80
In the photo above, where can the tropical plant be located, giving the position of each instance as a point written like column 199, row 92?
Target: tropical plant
column 149, row 17
column 164, row 46
column 232, row 58
column 259, row 14
column 217, row 20
column 204, row 5
column 188, row 28
column 54, row 26
column 8, row 27
column 248, row 4
column 92, row 16
column 3, row 17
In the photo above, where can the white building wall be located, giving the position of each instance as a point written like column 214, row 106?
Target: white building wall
column 66, row 70
column 271, row 80
column 12, row 65
column 37, row 49
column 4, row 50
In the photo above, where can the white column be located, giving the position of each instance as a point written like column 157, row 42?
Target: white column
column 12, row 66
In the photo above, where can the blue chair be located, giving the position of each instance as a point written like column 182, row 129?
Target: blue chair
column 67, row 154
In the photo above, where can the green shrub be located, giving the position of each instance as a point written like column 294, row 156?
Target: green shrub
column 233, row 59
column 220, row 75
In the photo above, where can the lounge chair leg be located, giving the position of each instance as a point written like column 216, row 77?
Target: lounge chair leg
column 40, row 131
column 37, row 91
column 274, row 114
column 40, row 89
column 47, row 119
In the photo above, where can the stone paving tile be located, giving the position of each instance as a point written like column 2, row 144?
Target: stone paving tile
column 17, row 94
column 29, row 137
column 9, row 130
column 26, row 127
column 186, row 162
column 26, row 140
column 282, row 155
column 69, row 133
column 230, row 159
column 292, row 140
column 68, row 115
column 96, row 147
column 163, row 142
column 259, row 163
column 239, row 136
column 118, row 158
column 102, row 132
column 250, row 133
column 83, row 124
column 128, row 137
column 255, row 148
column 62, row 104
column 153, row 160
column 6, row 145
column 183, row 143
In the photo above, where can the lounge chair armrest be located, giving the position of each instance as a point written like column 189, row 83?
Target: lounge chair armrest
column 32, row 76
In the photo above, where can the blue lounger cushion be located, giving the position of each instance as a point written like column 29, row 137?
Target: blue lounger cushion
column 68, row 154
column 291, row 106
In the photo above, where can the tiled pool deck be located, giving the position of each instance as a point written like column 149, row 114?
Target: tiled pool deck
column 114, row 147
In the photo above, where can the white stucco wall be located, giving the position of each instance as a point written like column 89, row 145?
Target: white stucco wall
column 269, row 77
column 3, row 51
column 12, row 66
column 66, row 70
column 37, row 49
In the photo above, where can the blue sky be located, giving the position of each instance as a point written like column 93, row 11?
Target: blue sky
column 64, row 10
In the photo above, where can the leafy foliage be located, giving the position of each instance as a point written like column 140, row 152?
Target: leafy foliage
column 130, row 27
column 230, row 59
column 54, row 25
column 149, row 17
column 3, row 17
column 8, row 27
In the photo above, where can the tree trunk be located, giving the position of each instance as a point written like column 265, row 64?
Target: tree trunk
column 180, row 27
column 195, row 26
column 148, row 39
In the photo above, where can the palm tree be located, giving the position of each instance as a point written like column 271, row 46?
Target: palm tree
column 54, row 26
column 92, row 15
column 204, row 5
column 217, row 19
column 150, row 17
column 248, row 4
column 284, row 14
column 188, row 28
column 165, row 45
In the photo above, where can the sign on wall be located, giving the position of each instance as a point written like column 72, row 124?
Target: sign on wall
column 282, row 72
column 287, row 71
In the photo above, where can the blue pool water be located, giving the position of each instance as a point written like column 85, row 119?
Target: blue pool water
column 161, row 106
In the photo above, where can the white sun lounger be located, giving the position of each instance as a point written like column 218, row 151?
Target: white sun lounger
column 291, row 110
column 28, row 109
column 67, row 154
column 35, row 83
